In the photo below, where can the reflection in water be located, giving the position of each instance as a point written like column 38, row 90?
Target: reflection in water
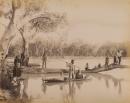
column 68, row 93
column 19, row 92
column 72, row 91
column 69, row 97
column 4, row 80
column 79, row 84
column 44, row 88
column 108, row 78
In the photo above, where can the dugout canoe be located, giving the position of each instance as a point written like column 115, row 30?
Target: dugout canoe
column 54, row 81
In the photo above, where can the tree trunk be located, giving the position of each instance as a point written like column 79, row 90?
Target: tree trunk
column 6, row 38
column 21, row 30
column 24, row 55
column 24, row 44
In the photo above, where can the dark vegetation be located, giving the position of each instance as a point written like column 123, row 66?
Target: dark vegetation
column 72, row 49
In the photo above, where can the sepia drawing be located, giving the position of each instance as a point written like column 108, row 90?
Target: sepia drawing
column 64, row 51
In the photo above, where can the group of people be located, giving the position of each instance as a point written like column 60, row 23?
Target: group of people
column 19, row 60
column 116, row 59
column 23, row 60
column 73, row 74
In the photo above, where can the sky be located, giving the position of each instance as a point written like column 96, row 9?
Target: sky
column 95, row 21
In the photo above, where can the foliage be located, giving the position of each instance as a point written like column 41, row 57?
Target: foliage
column 54, row 48
column 27, row 9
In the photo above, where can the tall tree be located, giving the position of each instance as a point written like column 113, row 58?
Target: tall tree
column 10, row 15
column 42, row 22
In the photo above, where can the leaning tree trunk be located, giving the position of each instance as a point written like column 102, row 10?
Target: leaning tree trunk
column 24, row 44
column 21, row 30
column 24, row 56
column 7, row 38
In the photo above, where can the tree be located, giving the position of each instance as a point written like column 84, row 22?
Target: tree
column 29, row 7
column 42, row 22
column 10, row 15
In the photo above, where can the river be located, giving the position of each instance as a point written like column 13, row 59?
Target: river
column 106, row 87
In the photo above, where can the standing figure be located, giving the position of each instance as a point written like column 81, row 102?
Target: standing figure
column 22, row 59
column 115, row 60
column 2, row 62
column 44, row 60
column 17, row 67
column 119, row 55
column 72, row 70
column 16, row 61
column 26, row 60
column 107, row 61
column 86, row 66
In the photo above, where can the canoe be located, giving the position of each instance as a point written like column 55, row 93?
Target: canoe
column 52, row 81
column 35, row 70
column 101, row 69
column 57, row 81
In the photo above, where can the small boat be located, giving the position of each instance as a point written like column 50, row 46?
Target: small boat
column 58, row 81
column 52, row 80
column 103, row 68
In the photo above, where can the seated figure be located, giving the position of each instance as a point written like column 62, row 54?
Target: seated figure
column 79, row 75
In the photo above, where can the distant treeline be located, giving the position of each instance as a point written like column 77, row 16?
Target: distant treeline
column 71, row 49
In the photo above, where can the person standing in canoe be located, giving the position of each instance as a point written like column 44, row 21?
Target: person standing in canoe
column 119, row 56
column 44, row 60
column 71, row 69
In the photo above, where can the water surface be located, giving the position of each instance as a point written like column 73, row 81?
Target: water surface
column 107, row 87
